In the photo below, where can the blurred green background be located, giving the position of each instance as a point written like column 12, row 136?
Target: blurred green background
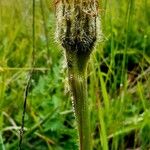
column 118, row 78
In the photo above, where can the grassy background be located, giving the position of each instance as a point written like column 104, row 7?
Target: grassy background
column 118, row 79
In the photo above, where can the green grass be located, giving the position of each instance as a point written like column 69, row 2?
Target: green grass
column 118, row 79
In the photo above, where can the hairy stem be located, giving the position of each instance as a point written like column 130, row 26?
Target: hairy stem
column 77, row 79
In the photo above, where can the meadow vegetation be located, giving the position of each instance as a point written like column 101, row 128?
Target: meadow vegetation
column 118, row 79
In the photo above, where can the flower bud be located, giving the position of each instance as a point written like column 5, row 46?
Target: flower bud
column 77, row 24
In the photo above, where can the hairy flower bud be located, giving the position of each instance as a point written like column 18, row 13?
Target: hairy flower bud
column 77, row 24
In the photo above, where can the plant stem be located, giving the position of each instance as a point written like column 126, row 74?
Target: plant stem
column 78, row 85
column 77, row 24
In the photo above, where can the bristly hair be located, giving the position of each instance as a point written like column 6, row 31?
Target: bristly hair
column 77, row 24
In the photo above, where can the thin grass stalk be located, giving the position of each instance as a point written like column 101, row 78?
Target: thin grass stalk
column 45, row 31
column 2, row 147
column 77, row 24
column 130, row 8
